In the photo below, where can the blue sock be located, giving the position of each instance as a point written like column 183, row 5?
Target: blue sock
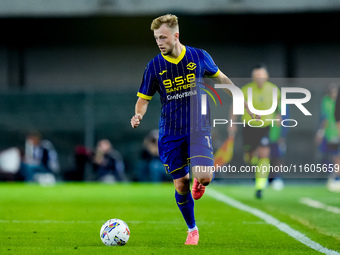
column 185, row 203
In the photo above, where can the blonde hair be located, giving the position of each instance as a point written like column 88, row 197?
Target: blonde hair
column 169, row 19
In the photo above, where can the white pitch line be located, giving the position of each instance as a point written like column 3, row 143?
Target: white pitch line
column 317, row 204
column 272, row 221
column 83, row 222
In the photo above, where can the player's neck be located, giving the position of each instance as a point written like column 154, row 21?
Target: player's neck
column 177, row 51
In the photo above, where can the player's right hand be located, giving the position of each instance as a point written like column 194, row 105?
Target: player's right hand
column 135, row 120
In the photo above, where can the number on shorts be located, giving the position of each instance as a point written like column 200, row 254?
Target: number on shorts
column 208, row 140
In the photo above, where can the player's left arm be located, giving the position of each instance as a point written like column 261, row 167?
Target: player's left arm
column 221, row 78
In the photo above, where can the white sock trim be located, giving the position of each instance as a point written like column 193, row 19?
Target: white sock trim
column 193, row 229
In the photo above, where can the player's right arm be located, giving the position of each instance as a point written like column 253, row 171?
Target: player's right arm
column 147, row 89
column 140, row 110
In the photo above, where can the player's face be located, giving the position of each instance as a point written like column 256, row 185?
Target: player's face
column 334, row 93
column 33, row 140
column 260, row 76
column 166, row 39
column 104, row 146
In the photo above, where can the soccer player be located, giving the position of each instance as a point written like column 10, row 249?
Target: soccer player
column 184, row 132
column 256, row 142
column 327, row 135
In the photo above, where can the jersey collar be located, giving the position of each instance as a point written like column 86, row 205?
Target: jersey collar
column 178, row 59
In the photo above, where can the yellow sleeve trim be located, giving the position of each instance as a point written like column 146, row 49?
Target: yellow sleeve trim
column 215, row 75
column 144, row 96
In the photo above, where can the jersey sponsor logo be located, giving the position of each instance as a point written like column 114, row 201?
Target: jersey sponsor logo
column 180, row 83
column 163, row 72
column 182, row 95
column 191, row 66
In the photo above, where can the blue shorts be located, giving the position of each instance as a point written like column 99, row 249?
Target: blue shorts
column 178, row 152
column 329, row 148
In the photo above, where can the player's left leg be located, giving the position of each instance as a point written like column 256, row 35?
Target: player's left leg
column 202, row 161
column 203, row 176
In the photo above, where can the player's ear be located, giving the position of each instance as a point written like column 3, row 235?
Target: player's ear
column 177, row 35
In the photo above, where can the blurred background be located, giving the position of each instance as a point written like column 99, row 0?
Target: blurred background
column 70, row 71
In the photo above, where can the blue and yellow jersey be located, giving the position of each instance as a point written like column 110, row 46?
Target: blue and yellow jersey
column 179, row 82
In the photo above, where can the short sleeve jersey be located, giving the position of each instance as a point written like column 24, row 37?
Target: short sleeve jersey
column 262, row 100
column 180, row 85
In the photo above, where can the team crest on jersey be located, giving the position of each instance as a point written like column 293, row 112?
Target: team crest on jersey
column 191, row 66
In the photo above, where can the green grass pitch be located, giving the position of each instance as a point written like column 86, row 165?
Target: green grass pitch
column 66, row 219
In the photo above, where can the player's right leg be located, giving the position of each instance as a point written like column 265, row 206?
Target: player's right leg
column 185, row 204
